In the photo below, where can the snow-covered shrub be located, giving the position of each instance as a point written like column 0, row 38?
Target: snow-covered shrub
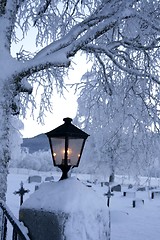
column 40, row 161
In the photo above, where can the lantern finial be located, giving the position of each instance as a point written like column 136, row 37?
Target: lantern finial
column 67, row 120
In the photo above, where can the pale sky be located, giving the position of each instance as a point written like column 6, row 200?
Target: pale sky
column 62, row 107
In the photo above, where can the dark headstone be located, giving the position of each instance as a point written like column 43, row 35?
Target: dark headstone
column 151, row 188
column 49, row 179
column 141, row 189
column 116, row 188
column 36, row 187
column 34, row 179
column 104, row 184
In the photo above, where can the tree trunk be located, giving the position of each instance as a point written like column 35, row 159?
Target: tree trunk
column 111, row 177
column 4, row 146
column 112, row 169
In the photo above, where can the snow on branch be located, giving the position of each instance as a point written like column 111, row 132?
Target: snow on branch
column 42, row 10
column 35, row 65
column 129, row 69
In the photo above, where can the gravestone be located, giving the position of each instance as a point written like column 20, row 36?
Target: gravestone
column 35, row 178
column 116, row 188
column 36, row 187
column 48, row 179
column 141, row 189
column 104, row 184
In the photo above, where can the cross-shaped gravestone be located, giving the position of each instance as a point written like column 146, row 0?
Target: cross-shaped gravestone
column 109, row 195
column 21, row 192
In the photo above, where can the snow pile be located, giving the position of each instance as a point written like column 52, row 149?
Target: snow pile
column 88, row 214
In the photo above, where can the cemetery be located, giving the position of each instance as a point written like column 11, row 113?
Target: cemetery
column 57, row 204
column 128, row 213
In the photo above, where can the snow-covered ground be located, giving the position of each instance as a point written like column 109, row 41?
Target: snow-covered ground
column 127, row 223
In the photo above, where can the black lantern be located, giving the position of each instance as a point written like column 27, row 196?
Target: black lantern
column 66, row 143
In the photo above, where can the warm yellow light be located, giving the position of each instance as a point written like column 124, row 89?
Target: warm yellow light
column 69, row 151
column 54, row 154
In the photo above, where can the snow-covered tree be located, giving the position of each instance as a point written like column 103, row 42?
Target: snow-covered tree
column 124, row 32
column 121, row 122
column 40, row 161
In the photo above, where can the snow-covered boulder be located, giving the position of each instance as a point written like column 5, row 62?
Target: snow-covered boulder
column 68, row 210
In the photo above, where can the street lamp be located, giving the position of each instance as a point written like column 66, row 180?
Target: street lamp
column 66, row 143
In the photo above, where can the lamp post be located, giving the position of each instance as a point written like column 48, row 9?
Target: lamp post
column 66, row 143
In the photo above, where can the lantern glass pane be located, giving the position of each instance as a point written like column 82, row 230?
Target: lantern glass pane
column 74, row 150
column 58, row 150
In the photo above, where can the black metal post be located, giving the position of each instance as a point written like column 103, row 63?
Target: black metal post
column 108, row 200
column 65, row 169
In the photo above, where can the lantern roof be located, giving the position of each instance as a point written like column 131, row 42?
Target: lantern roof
column 67, row 130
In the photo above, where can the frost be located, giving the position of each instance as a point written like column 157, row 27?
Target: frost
column 26, row 85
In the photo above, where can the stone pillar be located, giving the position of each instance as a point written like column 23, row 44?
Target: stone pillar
column 67, row 209
column 43, row 225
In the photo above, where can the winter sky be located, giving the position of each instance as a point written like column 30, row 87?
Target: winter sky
column 63, row 107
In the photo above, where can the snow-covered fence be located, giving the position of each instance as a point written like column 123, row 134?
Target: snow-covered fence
column 19, row 230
